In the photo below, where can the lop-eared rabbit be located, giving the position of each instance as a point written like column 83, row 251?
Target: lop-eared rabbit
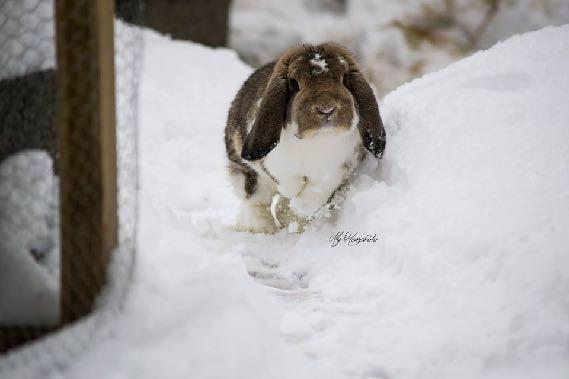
column 299, row 127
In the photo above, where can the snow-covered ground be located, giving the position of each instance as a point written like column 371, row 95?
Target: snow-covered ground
column 468, row 277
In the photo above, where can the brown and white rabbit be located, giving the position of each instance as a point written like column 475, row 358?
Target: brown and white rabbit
column 299, row 127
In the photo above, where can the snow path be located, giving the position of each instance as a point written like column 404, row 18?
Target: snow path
column 469, row 272
column 469, row 277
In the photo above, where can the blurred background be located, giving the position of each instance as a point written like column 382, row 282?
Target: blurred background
column 395, row 41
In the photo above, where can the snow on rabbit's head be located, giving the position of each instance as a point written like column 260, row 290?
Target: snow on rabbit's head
column 315, row 89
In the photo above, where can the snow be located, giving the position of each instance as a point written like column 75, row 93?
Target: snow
column 28, row 241
column 26, row 36
column 320, row 63
column 462, row 271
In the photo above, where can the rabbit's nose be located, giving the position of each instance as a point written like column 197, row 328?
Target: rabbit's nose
column 325, row 109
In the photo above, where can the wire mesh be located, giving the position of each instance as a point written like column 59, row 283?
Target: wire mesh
column 28, row 201
column 30, row 165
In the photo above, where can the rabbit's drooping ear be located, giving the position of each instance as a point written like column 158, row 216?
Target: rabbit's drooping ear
column 370, row 125
column 269, row 121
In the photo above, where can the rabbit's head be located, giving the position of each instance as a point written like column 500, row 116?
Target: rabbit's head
column 313, row 90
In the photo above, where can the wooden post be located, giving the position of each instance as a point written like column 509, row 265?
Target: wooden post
column 87, row 146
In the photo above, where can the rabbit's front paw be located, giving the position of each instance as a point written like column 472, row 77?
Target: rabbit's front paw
column 255, row 218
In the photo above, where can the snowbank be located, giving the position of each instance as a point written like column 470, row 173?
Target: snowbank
column 470, row 278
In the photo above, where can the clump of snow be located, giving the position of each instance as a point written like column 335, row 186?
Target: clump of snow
column 319, row 62
column 29, row 258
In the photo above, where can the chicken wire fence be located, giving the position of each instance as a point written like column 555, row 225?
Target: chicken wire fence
column 30, row 169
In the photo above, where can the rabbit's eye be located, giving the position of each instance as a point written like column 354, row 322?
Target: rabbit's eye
column 293, row 84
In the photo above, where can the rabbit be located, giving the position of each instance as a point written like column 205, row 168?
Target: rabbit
column 299, row 127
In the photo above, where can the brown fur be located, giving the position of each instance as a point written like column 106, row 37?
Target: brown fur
column 294, row 89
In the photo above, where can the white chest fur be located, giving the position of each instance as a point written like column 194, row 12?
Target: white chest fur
column 309, row 170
